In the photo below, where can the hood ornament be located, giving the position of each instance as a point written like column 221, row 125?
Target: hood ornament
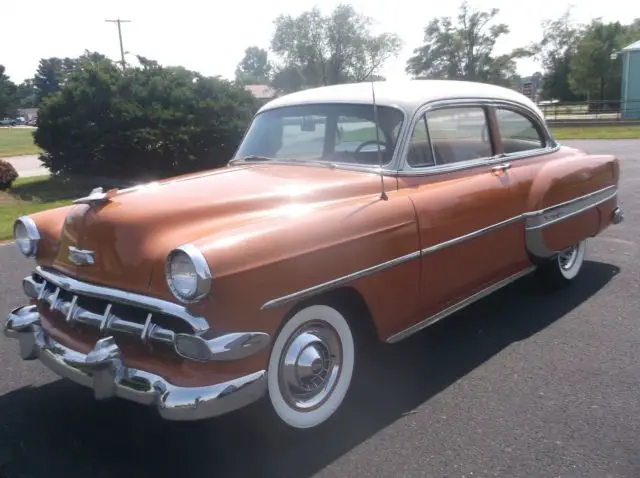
column 81, row 257
column 97, row 196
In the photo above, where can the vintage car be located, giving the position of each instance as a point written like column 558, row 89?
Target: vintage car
column 348, row 211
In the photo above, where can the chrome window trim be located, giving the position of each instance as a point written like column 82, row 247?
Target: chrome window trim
column 398, row 166
column 199, row 324
column 532, row 227
column 404, row 169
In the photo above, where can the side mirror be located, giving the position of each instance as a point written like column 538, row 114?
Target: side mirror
column 308, row 124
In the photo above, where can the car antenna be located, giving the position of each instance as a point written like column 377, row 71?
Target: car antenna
column 383, row 194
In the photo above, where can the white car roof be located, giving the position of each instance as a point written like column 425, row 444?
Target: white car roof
column 407, row 95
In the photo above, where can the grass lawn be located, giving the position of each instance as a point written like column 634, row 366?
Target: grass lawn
column 17, row 141
column 29, row 195
column 597, row 132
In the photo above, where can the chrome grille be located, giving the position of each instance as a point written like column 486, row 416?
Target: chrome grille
column 151, row 320
column 107, row 316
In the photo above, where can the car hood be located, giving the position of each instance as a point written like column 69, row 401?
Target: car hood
column 137, row 227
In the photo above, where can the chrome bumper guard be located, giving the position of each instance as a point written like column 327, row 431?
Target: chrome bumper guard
column 617, row 216
column 103, row 370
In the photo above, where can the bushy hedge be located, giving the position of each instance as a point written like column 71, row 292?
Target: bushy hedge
column 144, row 123
column 8, row 175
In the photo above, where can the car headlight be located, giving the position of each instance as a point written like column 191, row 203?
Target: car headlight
column 187, row 273
column 26, row 235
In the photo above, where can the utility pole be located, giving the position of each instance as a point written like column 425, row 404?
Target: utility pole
column 118, row 21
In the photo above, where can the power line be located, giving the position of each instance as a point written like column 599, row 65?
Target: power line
column 118, row 21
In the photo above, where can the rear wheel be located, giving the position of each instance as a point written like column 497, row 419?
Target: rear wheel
column 311, row 366
column 564, row 268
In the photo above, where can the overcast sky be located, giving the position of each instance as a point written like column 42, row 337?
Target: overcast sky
column 210, row 37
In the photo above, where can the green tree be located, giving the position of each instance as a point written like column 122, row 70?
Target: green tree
column 7, row 94
column 593, row 71
column 464, row 50
column 254, row 68
column 142, row 123
column 316, row 50
column 26, row 94
column 560, row 40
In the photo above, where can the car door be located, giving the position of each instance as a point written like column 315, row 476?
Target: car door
column 469, row 228
column 527, row 148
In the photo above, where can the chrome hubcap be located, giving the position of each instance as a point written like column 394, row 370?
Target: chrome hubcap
column 310, row 366
column 567, row 258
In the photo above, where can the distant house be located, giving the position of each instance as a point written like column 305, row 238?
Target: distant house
column 28, row 113
column 264, row 93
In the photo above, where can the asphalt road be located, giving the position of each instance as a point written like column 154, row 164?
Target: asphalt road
column 522, row 383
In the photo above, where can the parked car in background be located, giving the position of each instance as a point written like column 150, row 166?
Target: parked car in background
column 8, row 122
column 339, row 219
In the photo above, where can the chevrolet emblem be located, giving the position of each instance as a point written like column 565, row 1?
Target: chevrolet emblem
column 80, row 257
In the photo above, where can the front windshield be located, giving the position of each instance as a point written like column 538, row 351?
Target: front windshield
column 333, row 133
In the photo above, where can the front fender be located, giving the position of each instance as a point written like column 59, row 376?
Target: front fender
column 260, row 268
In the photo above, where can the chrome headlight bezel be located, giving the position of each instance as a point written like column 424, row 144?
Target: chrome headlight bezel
column 29, row 236
column 200, row 267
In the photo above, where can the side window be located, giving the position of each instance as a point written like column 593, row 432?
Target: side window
column 420, row 154
column 459, row 134
column 518, row 132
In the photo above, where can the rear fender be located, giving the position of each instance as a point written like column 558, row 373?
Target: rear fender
column 571, row 199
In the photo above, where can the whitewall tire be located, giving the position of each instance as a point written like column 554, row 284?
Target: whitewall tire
column 311, row 366
column 565, row 267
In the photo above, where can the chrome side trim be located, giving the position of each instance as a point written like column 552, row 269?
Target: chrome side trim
column 123, row 297
column 341, row 280
column 104, row 371
column 533, row 238
column 538, row 220
column 470, row 235
column 567, row 209
column 457, row 306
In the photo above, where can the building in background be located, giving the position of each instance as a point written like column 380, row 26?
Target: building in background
column 28, row 113
column 630, row 107
column 264, row 93
column 531, row 86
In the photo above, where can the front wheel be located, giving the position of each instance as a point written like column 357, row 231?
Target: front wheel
column 564, row 268
column 311, row 366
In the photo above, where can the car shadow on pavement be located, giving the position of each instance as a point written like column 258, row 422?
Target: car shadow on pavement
column 59, row 430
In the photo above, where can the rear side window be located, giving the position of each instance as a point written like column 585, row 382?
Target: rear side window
column 459, row 134
column 518, row 132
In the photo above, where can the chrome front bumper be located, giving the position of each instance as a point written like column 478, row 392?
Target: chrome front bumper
column 103, row 370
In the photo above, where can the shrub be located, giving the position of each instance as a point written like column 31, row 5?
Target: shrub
column 141, row 124
column 8, row 175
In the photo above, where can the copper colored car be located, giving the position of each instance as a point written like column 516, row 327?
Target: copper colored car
column 347, row 209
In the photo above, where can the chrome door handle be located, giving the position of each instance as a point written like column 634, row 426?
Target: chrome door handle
column 501, row 167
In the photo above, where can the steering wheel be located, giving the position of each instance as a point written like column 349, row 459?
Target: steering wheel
column 371, row 141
